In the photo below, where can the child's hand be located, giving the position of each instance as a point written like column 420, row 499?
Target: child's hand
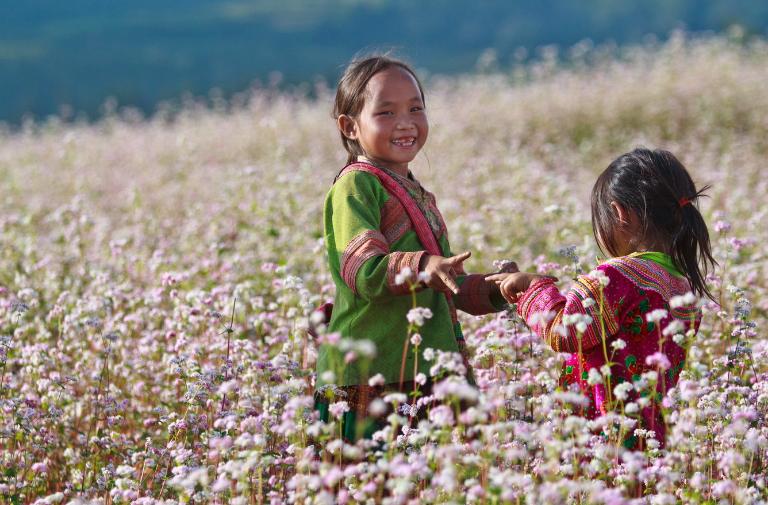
column 512, row 284
column 441, row 271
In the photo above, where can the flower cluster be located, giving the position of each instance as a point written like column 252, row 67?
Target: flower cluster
column 155, row 300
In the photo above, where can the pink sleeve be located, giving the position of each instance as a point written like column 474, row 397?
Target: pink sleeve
column 545, row 310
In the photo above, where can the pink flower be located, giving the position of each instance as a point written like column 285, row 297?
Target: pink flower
column 40, row 467
column 337, row 409
column 659, row 360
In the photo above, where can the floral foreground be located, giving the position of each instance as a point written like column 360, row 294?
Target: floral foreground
column 153, row 333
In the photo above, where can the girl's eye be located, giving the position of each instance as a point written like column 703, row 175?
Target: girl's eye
column 384, row 113
column 417, row 109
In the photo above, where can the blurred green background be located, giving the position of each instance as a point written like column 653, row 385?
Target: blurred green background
column 69, row 57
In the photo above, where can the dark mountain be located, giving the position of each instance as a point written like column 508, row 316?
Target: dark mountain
column 80, row 52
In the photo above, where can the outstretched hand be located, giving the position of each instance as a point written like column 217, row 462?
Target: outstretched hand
column 441, row 271
column 515, row 283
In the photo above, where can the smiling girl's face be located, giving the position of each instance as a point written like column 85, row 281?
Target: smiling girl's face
column 392, row 126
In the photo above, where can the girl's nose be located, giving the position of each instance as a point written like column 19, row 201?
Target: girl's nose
column 405, row 124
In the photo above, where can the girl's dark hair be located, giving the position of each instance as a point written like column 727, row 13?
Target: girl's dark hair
column 657, row 187
column 350, row 93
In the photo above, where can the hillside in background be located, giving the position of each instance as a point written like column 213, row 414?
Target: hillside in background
column 142, row 52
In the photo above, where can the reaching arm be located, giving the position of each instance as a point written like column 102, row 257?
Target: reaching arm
column 563, row 321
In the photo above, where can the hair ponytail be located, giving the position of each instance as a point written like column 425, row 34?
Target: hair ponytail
column 691, row 249
column 656, row 186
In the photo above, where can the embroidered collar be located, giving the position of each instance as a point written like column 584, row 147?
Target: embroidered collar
column 662, row 259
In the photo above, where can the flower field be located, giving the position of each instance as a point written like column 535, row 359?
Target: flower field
column 157, row 276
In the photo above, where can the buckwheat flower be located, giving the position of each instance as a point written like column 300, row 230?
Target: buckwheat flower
column 631, row 408
column 40, row 467
column 429, row 354
column 112, row 336
column 376, row 380
column 337, row 409
column 724, row 488
column 441, row 416
column 682, row 300
column 679, row 339
column 621, row 391
column 594, row 377
column 722, row 226
column 656, row 315
column 350, row 357
column 395, row 398
column 663, row 499
column 365, row 348
column 600, row 277
column 605, row 370
column 588, row 302
column 377, row 407
column 424, row 277
column 742, row 308
column 328, row 376
column 403, row 276
column 659, row 360
column 418, row 315
column 674, row 326
column 420, row 379
column 618, row 344
column 416, row 339
column 317, row 317
column 221, row 484
column 542, row 318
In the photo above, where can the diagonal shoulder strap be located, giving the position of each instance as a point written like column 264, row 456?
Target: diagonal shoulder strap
column 420, row 224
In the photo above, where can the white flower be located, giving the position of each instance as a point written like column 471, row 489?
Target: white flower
column 618, row 344
column 366, row 348
column 679, row 339
column 420, row 379
column 328, row 376
column 442, row 416
column 404, row 275
column 594, row 377
column 429, row 354
column 682, row 300
column 674, row 326
column 376, row 380
column 541, row 318
column 416, row 339
column 621, row 391
column 377, row 407
column 600, row 277
column 337, row 409
column 588, row 302
column 656, row 315
column 631, row 408
column 418, row 315
column 395, row 398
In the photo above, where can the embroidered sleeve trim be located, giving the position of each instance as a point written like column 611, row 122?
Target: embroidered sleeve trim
column 543, row 307
column 398, row 261
column 360, row 249
column 475, row 296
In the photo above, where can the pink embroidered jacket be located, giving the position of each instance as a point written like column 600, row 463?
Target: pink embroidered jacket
column 636, row 287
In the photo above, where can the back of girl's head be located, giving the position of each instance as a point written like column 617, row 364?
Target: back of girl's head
column 657, row 187
column 351, row 95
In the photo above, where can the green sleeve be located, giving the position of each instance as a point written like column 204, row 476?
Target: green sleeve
column 357, row 249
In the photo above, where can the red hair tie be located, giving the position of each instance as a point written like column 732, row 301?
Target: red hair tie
column 683, row 202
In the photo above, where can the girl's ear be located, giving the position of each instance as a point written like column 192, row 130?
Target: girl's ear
column 347, row 126
column 622, row 215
